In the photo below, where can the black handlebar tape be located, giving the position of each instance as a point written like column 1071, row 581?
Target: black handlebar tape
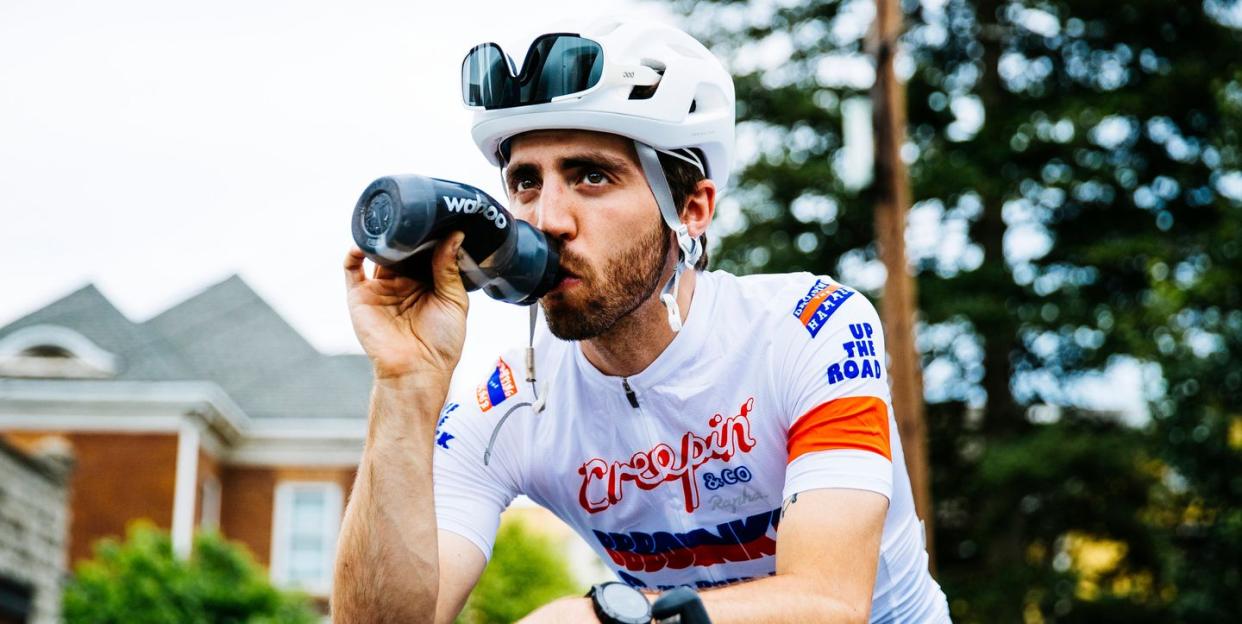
column 682, row 603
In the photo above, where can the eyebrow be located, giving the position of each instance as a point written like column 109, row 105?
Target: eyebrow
column 595, row 159
column 589, row 159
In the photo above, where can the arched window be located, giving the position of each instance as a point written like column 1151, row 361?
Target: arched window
column 47, row 351
column 52, row 351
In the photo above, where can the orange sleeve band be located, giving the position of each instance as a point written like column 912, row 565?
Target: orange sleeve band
column 849, row 423
column 808, row 312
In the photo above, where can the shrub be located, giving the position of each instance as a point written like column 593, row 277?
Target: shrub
column 141, row 582
column 527, row 570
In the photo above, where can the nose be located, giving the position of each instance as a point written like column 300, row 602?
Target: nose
column 556, row 213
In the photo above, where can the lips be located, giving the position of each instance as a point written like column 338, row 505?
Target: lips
column 566, row 283
column 568, row 280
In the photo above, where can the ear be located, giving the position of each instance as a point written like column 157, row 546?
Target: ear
column 700, row 207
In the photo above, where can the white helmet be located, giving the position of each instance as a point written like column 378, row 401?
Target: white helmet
column 692, row 105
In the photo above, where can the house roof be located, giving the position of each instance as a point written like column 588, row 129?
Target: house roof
column 144, row 356
column 232, row 336
column 225, row 334
column 335, row 386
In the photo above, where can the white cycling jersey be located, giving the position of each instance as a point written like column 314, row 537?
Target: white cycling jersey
column 775, row 385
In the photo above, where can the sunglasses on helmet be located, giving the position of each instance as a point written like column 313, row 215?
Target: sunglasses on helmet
column 557, row 66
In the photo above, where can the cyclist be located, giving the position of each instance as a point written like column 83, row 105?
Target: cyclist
column 675, row 417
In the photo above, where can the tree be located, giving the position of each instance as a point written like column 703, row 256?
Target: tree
column 1075, row 187
column 1195, row 320
column 526, row 571
column 140, row 581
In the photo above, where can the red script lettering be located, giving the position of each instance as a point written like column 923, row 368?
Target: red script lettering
column 663, row 463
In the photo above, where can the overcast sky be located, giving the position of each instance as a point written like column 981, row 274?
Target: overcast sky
column 154, row 148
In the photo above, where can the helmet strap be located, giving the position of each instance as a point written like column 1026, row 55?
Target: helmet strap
column 688, row 248
column 668, row 296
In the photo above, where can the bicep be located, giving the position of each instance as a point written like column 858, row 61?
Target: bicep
column 461, row 565
column 833, row 535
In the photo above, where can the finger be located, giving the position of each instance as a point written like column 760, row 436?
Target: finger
column 353, row 267
column 444, row 268
column 383, row 272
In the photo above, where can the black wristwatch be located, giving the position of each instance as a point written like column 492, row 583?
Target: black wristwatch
column 618, row 603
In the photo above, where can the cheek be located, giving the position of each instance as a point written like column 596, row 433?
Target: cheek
column 630, row 216
column 523, row 212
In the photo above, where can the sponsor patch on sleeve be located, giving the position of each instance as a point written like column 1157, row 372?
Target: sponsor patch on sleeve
column 817, row 305
column 498, row 387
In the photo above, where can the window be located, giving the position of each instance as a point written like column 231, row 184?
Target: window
column 51, row 351
column 307, row 518
column 210, row 497
column 47, row 351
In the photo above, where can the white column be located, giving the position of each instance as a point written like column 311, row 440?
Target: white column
column 186, row 487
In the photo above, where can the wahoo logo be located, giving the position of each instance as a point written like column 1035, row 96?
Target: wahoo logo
column 462, row 205
column 743, row 539
column 466, row 205
column 814, row 308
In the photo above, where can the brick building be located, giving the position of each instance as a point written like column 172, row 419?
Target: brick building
column 215, row 413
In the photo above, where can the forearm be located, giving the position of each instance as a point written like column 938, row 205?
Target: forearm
column 387, row 560
column 771, row 600
column 782, row 598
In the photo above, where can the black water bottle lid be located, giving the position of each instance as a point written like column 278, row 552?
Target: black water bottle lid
column 393, row 216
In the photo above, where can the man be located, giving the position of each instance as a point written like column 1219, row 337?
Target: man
column 675, row 418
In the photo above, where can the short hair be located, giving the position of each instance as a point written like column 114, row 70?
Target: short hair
column 683, row 179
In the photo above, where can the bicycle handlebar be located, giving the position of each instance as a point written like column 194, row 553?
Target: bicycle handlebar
column 681, row 603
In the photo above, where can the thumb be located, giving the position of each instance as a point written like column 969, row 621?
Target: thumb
column 444, row 268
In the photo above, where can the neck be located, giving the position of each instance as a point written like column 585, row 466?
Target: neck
column 639, row 338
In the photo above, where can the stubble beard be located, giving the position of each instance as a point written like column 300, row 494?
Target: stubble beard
column 628, row 281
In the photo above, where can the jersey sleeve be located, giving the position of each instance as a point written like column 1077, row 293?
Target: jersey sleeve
column 476, row 476
column 835, row 391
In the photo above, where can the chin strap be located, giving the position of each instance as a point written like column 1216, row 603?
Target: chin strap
column 669, row 298
column 688, row 248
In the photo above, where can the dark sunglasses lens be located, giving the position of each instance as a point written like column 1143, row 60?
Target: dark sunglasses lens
column 485, row 78
column 559, row 65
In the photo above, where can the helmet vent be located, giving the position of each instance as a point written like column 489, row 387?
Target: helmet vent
column 654, row 64
column 644, row 92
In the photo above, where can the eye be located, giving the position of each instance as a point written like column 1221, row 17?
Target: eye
column 525, row 184
column 595, row 177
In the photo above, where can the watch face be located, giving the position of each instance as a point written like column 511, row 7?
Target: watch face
column 624, row 602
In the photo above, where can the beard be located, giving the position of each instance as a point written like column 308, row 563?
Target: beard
column 611, row 293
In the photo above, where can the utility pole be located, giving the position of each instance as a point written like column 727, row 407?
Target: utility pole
column 892, row 186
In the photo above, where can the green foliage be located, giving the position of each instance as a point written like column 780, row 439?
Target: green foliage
column 1076, row 169
column 140, row 581
column 527, row 570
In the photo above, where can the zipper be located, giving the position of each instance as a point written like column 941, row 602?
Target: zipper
column 629, row 393
column 642, row 426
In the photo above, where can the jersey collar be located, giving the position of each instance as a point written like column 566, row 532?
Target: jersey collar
column 686, row 347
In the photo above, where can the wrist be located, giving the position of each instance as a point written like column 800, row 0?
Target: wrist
column 617, row 603
column 404, row 409
column 417, row 382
